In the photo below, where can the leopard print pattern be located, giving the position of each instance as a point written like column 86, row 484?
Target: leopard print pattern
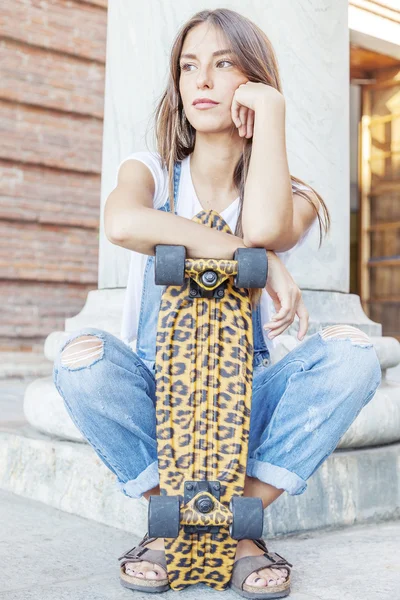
column 204, row 356
column 224, row 269
column 220, row 515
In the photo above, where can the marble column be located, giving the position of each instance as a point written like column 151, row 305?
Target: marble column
column 312, row 46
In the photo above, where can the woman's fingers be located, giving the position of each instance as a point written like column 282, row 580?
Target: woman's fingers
column 285, row 305
column 250, row 123
column 235, row 108
column 302, row 313
column 283, row 312
column 243, row 119
column 285, row 316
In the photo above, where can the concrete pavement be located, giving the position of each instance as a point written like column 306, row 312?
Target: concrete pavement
column 47, row 554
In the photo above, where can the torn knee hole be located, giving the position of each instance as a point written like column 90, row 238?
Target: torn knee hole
column 82, row 351
column 346, row 331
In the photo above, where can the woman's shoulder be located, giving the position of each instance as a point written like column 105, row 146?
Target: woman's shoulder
column 303, row 187
column 311, row 231
column 150, row 158
column 154, row 163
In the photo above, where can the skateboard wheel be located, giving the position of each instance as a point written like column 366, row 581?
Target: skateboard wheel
column 248, row 518
column 164, row 516
column 252, row 269
column 169, row 266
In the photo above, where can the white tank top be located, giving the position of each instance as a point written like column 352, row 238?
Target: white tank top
column 188, row 206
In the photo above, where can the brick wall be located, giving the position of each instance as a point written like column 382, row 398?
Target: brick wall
column 52, row 69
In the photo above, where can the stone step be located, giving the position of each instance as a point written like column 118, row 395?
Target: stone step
column 65, row 556
column 24, row 365
column 351, row 485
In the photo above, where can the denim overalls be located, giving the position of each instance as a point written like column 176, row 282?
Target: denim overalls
column 150, row 305
column 301, row 405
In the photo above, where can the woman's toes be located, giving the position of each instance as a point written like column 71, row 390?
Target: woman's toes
column 160, row 573
column 130, row 568
column 255, row 580
column 153, row 574
column 271, row 576
column 145, row 570
column 281, row 574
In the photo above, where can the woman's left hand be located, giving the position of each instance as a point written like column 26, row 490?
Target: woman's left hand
column 247, row 97
column 287, row 299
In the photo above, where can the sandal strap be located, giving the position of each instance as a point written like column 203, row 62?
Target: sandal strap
column 274, row 555
column 153, row 556
column 243, row 567
column 261, row 544
column 140, row 544
column 140, row 552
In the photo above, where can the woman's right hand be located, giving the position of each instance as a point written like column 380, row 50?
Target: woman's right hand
column 287, row 299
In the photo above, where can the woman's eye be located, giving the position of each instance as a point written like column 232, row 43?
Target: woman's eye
column 224, row 61
column 185, row 66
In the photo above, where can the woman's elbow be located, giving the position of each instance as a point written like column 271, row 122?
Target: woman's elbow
column 112, row 232
column 116, row 230
column 117, row 224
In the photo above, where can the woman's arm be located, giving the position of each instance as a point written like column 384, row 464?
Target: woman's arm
column 273, row 217
column 287, row 299
column 268, row 202
column 131, row 221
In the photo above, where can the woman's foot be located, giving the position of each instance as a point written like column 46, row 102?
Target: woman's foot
column 145, row 569
column 268, row 576
column 261, row 578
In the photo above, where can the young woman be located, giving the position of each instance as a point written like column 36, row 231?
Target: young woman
column 221, row 146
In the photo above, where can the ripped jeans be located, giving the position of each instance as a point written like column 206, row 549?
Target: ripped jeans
column 301, row 405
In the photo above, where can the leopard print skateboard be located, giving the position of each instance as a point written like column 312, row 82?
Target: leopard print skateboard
column 204, row 356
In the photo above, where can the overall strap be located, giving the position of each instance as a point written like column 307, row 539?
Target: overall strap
column 151, row 295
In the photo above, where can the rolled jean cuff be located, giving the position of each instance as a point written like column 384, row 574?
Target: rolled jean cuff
column 145, row 481
column 279, row 477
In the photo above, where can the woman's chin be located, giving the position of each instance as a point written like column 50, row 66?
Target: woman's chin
column 214, row 129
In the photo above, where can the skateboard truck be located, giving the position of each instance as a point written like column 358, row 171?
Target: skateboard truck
column 249, row 268
column 200, row 511
column 197, row 291
column 201, row 492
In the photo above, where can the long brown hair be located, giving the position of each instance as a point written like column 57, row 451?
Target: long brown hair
column 175, row 136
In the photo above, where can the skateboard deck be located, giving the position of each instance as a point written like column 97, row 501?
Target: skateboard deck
column 203, row 372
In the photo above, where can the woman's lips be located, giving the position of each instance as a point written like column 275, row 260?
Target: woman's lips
column 203, row 105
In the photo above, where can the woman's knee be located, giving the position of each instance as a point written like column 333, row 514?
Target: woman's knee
column 78, row 353
column 116, row 366
column 82, row 350
column 355, row 335
column 357, row 360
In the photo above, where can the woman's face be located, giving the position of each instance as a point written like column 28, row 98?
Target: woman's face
column 206, row 76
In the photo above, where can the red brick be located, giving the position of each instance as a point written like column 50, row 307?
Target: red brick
column 70, row 27
column 40, row 194
column 37, row 136
column 48, row 253
column 32, row 310
column 52, row 58
column 37, row 76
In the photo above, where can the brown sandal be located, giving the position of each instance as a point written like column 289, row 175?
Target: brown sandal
column 137, row 554
column 248, row 564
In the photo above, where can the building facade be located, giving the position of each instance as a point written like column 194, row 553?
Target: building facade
column 52, row 77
